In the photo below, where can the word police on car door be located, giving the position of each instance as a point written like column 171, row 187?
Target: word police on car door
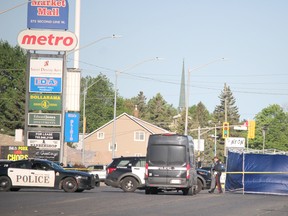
column 25, row 173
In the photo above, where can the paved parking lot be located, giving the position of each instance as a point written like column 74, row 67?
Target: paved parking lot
column 110, row 201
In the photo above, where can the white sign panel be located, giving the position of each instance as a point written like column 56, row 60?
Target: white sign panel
column 240, row 127
column 235, row 142
column 44, row 140
column 199, row 146
column 46, row 68
column 47, row 40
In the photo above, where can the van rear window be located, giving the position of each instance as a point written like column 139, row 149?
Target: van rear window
column 167, row 155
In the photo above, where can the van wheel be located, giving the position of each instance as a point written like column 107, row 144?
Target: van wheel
column 154, row 190
column 199, row 186
column 147, row 190
column 129, row 184
column 5, row 183
column 187, row 191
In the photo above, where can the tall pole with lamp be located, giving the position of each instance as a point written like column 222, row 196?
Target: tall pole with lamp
column 188, row 89
column 117, row 73
column 76, row 59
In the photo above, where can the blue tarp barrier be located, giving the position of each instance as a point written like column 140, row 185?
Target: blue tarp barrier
column 263, row 173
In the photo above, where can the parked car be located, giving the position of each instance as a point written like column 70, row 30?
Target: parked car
column 126, row 173
column 203, row 179
column 37, row 173
column 98, row 169
column 122, row 162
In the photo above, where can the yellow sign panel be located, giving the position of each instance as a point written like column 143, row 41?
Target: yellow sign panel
column 251, row 129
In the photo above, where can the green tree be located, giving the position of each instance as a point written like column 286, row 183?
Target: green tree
column 159, row 112
column 180, row 122
column 12, row 88
column 226, row 99
column 274, row 120
column 200, row 114
column 99, row 101
column 140, row 101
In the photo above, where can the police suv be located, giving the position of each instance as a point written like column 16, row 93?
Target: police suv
column 39, row 173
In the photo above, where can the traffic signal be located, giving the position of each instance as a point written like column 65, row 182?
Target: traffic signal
column 225, row 133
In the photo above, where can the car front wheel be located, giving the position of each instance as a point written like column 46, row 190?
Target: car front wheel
column 129, row 184
column 69, row 185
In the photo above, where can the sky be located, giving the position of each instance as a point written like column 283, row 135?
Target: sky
column 252, row 36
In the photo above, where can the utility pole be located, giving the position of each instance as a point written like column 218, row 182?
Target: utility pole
column 225, row 101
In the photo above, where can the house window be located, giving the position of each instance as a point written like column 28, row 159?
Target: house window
column 100, row 135
column 139, row 136
column 110, row 147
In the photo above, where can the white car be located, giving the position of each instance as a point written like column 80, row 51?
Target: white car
column 98, row 169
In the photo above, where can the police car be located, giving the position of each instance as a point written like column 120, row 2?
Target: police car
column 39, row 173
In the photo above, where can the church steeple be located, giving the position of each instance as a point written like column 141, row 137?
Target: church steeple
column 182, row 98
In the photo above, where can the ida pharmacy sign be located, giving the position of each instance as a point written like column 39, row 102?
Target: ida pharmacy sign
column 48, row 14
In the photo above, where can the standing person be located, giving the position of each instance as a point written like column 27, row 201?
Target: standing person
column 215, row 175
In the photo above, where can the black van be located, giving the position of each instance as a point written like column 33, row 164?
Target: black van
column 170, row 164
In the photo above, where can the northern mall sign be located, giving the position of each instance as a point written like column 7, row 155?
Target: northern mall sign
column 47, row 40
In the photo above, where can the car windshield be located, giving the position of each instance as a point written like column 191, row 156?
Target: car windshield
column 55, row 166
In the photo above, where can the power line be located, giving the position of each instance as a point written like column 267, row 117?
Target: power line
column 9, row 9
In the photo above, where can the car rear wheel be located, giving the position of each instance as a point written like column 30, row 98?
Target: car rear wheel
column 129, row 184
column 5, row 183
column 69, row 185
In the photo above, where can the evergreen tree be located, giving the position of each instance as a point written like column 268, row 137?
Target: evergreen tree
column 140, row 101
column 180, row 122
column 12, row 88
column 226, row 99
column 200, row 114
column 159, row 112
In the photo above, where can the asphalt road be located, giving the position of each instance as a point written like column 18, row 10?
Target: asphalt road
column 110, row 201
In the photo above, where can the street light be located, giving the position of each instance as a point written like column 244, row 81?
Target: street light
column 86, row 88
column 117, row 72
column 84, row 116
column 96, row 41
column 188, row 89
column 264, row 130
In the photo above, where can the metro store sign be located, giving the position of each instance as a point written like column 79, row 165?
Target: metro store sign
column 47, row 40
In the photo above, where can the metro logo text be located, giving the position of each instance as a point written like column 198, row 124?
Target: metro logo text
column 47, row 40
column 43, row 40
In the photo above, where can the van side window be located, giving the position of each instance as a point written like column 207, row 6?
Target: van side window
column 192, row 153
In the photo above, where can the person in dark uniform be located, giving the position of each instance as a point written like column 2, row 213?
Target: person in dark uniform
column 216, row 174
